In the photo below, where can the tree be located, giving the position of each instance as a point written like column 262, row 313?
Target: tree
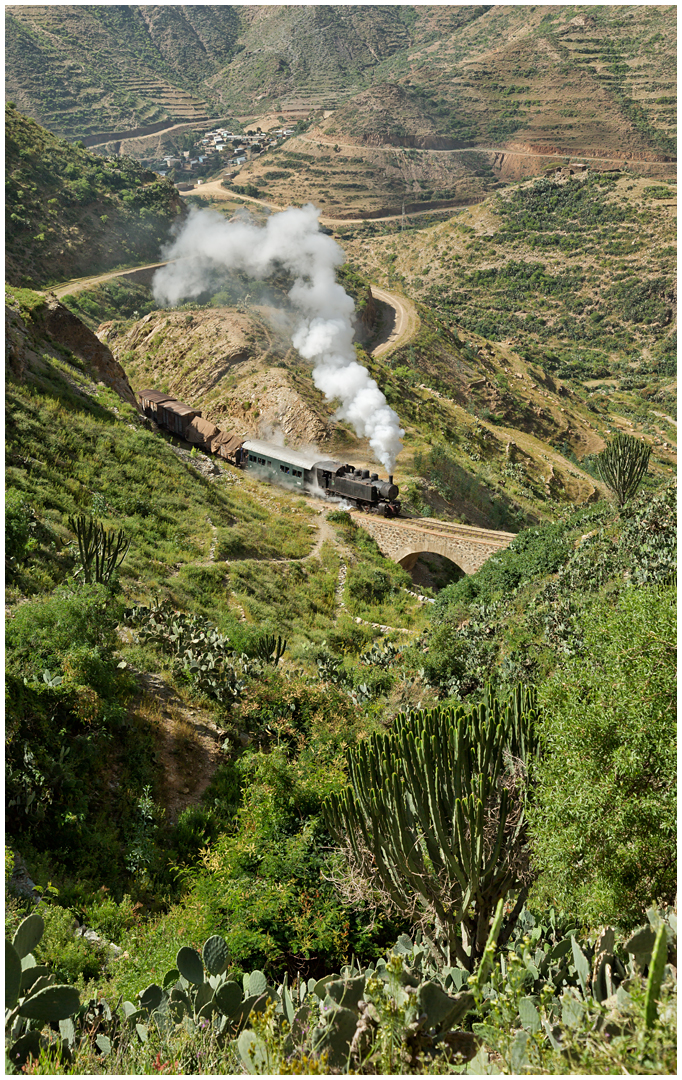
column 434, row 819
column 622, row 464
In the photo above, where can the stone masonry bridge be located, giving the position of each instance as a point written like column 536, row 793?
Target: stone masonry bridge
column 404, row 539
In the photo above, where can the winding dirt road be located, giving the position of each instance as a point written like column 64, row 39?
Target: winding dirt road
column 404, row 328
column 78, row 284
column 406, row 320
column 216, row 190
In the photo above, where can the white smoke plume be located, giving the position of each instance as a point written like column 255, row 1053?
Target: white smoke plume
column 209, row 244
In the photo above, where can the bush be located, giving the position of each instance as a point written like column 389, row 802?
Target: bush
column 339, row 517
column 373, row 579
column 265, row 884
column 369, row 584
column 41, row 634
column 532, row 554
column 71, row 958
column 108, row 918
column 604, row 817
column 18, row 526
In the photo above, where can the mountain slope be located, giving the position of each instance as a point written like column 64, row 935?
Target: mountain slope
column 480, row 424
column 69, row 213
column 576, row 79
column 84, row 70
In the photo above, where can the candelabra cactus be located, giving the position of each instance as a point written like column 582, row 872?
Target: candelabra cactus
column 435, row 813
column 101, row 550
column 622, row 464
column 270, row 649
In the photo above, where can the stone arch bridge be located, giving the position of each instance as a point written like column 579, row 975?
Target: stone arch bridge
column 403, row 540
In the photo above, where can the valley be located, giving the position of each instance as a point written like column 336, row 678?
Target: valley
column 291, row 785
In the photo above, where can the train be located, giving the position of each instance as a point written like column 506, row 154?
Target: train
column 296, row 469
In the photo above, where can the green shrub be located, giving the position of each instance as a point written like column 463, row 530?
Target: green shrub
column 532, row 554
column 604, row 815
column 339, row 517
column 19, row 524
column 72, row 959
column 263, row 883
column 109, row 918
column 369, row 584
column 42, row 633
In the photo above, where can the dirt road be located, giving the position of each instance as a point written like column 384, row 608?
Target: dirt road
column 406, row 320
column 77, row 284
column 216, row 190
column 581, row 154
column 404, row 328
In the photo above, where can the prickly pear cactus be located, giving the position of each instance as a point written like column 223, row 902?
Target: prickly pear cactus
column 190, row 965
column 216, row 955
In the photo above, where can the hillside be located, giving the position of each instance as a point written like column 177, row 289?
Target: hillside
column 556, row 71
column 143, row 759
column 81, row 71
column 576, row 273
column 480, row 96
column 69, row 213
column 483, row 429
column 280, row 800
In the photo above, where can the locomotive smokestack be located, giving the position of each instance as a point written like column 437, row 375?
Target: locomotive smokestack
column 390, row 479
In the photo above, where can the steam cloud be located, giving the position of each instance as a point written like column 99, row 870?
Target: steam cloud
column 208, row 244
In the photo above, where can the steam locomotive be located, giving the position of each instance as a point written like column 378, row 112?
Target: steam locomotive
column 279, row 464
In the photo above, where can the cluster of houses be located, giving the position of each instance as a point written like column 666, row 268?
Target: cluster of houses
column 185, row 162
column 221, row 145
column 242, row 146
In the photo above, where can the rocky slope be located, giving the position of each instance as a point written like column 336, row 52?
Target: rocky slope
column 234, row 366
column 42, row 335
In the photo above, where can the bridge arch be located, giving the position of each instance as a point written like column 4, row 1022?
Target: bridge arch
column 431, row 569
column 404, row 539
column 408, row 555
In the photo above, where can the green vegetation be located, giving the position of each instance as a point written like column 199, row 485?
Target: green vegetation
column 70, row 212
column 415, row 816
column 516, row 274
column 559, row 220
column 604, row 816
column 622, row 465
column 545, row 1002
column 268, row 809
column 566, row 792
column 119, row 300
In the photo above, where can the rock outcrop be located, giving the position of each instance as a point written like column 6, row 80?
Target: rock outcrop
column 68, row 330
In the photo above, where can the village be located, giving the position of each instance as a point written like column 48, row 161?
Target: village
column 216, row 149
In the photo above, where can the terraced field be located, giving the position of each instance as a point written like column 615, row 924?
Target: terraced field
column 558, row 79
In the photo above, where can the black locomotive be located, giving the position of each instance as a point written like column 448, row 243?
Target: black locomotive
column 331, row 478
